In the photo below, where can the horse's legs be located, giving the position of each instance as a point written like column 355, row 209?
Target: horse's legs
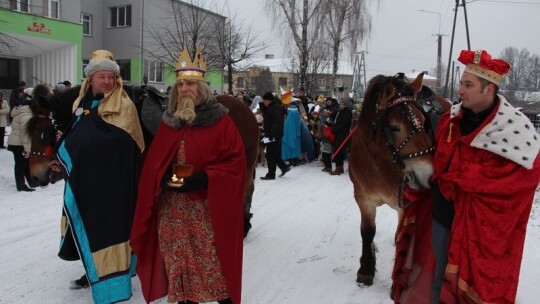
column 248, row 197
column 365, row 274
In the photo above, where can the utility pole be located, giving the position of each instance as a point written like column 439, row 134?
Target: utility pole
column 439, row 52
column 359, row 75
column 452, row 41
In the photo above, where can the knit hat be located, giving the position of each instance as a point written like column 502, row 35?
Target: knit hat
column 59, row 88
column 481, row 64
column 345, row 101
column 102, row 60
column 268, row 96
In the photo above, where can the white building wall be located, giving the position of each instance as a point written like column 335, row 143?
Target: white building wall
column 56, row 66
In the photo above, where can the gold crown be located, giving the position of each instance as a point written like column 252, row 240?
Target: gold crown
column 187, row 69
column 101, row 54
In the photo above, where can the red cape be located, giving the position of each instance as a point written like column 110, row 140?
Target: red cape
column 414, row 264
column 219, row 151
column 492, row 197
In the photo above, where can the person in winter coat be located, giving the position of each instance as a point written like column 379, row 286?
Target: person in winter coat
column 4, row 112
column 99, row 152
column 273, row 121
column 188, row 227
column 19, row 142
column 18, row 97
column 341, row 128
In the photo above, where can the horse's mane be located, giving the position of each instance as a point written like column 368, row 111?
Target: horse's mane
column 381, row 88
column 61, row 106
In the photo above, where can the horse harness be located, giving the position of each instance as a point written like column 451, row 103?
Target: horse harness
column 432, row 111
column 46, row 134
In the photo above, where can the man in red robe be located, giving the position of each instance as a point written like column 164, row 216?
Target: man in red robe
column 188, row 227
column 487, row 169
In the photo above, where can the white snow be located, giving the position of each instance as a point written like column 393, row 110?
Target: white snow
column 304, row 246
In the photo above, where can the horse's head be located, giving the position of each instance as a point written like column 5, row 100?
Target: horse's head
column 42, row 133
column 401, row 122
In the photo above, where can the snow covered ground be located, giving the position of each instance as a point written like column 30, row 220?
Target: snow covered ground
column 304, row 246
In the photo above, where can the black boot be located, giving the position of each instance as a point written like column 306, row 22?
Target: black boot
column 80, row 283
column 268, row 177
column 25, row 188
column 284, row 171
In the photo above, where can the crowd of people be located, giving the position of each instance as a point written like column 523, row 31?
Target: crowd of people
column 172, row 212
column 303, row 130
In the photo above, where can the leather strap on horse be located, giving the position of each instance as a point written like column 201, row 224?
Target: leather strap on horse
column 344, row 142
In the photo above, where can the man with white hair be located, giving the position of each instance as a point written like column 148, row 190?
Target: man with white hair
column 99, row 154
column 188, row 227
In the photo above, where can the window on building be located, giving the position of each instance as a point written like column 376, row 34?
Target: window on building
column 321, row 82
column 339, row 82
column 120, row 16
column 225, row 79
column 282, row 81
column 84, row 64
column 155, row 71
column 9, row 73
column 125, row 69
column 19, row 5
column 51, row 8
column 240, row 82
column 86, row 21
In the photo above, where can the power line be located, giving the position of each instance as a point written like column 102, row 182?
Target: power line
column 506, row 2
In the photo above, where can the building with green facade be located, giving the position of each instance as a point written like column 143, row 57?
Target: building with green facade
column 49, row 41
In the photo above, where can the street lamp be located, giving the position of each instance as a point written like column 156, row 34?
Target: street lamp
column 439, row 50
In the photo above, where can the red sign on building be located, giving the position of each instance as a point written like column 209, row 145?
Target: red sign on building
column 39, row 27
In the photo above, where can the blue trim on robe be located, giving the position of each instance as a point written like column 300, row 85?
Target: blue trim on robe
column 113, row 288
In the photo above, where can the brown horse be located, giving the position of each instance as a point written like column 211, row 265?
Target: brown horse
column 43, row 128
column 391, row 148
column 248, row 127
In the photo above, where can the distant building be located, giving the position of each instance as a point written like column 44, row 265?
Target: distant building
column 285, row 76
column 49, row 41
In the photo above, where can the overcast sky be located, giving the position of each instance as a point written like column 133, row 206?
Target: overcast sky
column 405, row 39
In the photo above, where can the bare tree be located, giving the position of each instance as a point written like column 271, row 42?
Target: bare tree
column 225, row 41
column 189, row 25
column 296, row 17
column 532, row 81
column 235, row 43
column 263, row 82
column 515, row 82
column 347, row 22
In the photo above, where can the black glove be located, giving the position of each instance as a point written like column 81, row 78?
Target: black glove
column 196, row 181
column 271, row 138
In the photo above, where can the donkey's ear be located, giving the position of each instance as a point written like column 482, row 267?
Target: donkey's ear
column 417, row 83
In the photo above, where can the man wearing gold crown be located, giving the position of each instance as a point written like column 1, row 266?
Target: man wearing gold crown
column 99, row 153
column 188, row 227
column 486, row 172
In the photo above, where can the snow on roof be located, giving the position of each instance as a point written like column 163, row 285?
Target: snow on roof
column 413, row 75
column 286, row 65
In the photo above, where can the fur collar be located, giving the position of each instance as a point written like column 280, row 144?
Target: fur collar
column 509, row 134
column 206, row 114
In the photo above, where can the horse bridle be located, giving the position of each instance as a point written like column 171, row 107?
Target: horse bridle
column 47, row 151
column 432, row 111
column 418, row 127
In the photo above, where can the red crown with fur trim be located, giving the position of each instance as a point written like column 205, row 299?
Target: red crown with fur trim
column 481, row 64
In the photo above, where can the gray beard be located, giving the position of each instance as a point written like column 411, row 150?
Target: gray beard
column 185, row 110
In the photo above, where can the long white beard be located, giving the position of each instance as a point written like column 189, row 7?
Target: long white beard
column 185, row 109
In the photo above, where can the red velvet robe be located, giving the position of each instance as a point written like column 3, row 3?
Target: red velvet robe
column 219, row 151
column 414, row 264
column 492, row 196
